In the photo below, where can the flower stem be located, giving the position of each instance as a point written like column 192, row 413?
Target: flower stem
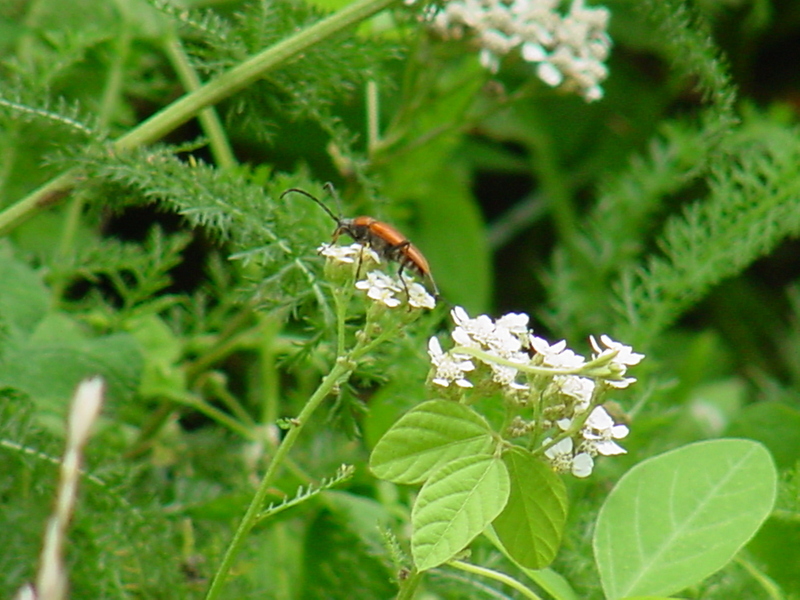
column 496, row 575
column 340, row 370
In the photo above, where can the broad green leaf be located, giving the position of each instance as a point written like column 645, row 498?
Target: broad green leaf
column 532, row 522
column 454, row 506
column 677, row 518
column 48, row 365
column 427, row 437
column 23, row 297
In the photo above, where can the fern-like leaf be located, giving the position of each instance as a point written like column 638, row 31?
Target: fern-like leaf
column 754, row 203
column 344, row 473
column 279, row 237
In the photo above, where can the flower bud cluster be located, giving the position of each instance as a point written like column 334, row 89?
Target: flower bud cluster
column 562, row 388
column 568, row 50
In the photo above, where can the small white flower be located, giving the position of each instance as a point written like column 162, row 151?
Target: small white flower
column 619, row 357
column 557, row 355
column 625, row 354
column 559, row 453
column 514, row 323
column 549, row 73
column 342, row 254
column 507, row 377
column 579, row 388
column 349, row 254
column 600, row 432
column 381, row 288
column 580, row 465
column 418, row 296
column 449, row 368
column 462, row 338
column 621, row 383
column 479, row 329
column 533, row 52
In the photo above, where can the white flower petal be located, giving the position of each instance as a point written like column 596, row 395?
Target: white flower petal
column 582, row 465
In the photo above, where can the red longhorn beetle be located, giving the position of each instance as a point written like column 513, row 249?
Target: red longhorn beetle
column 384, row 239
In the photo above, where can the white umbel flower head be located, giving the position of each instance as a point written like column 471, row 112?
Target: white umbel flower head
column 504, row 338
column 568, row 50
column 341, row 254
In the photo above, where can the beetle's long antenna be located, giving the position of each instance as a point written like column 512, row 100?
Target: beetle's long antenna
column 315, row 199
column 328, row 186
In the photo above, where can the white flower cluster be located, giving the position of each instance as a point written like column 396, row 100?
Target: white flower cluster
column 597, row 437
column 568, row 50
column 379, row 286
column 529, row 369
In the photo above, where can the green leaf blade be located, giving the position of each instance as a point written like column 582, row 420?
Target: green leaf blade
column 677, row 518
column 531, row 525
column 455, row 506
column 427, row 437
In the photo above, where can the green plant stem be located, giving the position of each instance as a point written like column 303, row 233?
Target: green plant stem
column 188, row 106
column 373, row 116
column 496, row 575
column 339, row 371
column 221, row 417
column 217, row 139
column 116, row 73
column 595, row 368
column 555, row 185
column 772, row 590
column 409, row 587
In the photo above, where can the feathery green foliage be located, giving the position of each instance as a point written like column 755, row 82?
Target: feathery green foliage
column 752, row 205
column 146, row 147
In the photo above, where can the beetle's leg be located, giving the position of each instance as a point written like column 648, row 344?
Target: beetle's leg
column 360, row 261
column 403, row 281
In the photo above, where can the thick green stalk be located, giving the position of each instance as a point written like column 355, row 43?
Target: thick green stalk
column 191, row 104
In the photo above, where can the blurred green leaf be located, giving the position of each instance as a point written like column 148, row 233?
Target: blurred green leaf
column 24, row 299
column 775, row 425
column 426, row 173
column 50, row 363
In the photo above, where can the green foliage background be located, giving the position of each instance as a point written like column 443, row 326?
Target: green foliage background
column 160, row 255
